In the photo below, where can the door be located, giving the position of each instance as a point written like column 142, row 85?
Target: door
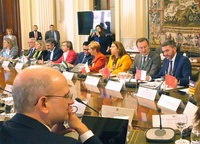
column 10, row 18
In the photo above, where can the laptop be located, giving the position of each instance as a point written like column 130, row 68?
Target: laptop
column 108, row 130
column 77, row 68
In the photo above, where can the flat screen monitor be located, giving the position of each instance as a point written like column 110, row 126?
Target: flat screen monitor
column 108, row 130
column 88, row 20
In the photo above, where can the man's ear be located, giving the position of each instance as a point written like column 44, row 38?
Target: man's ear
column 42, row 104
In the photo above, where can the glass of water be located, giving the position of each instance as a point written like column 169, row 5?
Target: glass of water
column 195, row 136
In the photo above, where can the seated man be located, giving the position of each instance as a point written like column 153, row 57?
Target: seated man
column 54, row 53
column 147, row 60
column 174, row 64
column 41, row 109
column 31, row 44
column 84, row 56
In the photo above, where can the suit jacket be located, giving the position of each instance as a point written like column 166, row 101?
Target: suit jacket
column 152, row 64
column 31, row 52
column 31, row 35
column 182, row 69
column 40, row 55
column 56, row 54
column 48, row 35
column 22, row 129
column 13, row 52
column 71, row 57
column 123, row 64
column 88, row 58
column 98, row 62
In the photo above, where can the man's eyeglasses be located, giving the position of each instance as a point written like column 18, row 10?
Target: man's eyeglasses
column 66, row 96
column 86, row 49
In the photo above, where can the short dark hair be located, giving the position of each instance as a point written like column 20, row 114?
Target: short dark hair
column 86, row 43
column 141, row 40
column 170, row 43
column 51, row 41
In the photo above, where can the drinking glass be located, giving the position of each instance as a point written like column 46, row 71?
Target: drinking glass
column 181, row 122
column 195, row 136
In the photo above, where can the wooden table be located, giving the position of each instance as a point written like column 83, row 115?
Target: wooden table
column 142, row 119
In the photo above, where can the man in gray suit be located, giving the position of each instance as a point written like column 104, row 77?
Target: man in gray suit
column 52, row 33
column 147, row 60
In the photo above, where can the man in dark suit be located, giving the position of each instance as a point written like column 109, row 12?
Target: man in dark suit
column 41, row 109
column 54, row 52
column 147, row 60
column 175, row 64
column 35, row 33
column 52, row 33
column 84, row 56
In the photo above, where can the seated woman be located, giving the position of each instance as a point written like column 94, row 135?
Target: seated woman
column 9, row 50
column 69, row 55
column 99, row 60
column 119, row 61
column 40, row 52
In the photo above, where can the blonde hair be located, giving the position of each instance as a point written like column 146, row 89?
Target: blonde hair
column 94, row 45
column 9, row 41
column 42, row 43
column 197, row 99
column 9, row 29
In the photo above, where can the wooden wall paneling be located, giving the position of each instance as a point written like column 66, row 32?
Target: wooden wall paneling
column 10, row 18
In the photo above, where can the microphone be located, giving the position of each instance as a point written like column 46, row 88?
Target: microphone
column 160, row 134
column 158, row 88
column 5, row 90
column 80, row 101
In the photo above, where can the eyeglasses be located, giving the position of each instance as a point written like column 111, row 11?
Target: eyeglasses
column 66, row 96
column 86, row 49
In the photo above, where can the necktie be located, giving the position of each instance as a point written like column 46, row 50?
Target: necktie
column 170, row 68
column 143, row 62
column 36, row 35
column 83, row 59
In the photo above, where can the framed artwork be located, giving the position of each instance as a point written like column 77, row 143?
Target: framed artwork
column 178, row 20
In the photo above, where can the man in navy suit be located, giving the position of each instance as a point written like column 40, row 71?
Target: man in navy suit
column 35, row 33
column 175, row 64
column 84, row 56
column 54, row 52
column 43, row 102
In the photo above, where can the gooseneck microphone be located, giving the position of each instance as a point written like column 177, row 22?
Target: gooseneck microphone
column 5, row 90
column 80, row 101
column 160, row 134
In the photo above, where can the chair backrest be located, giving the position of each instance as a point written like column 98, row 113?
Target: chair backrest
column 195, row 74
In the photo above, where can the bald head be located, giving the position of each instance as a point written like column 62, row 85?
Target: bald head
column 34, row 82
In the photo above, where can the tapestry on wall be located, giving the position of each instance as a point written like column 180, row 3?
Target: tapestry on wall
column 178, row 20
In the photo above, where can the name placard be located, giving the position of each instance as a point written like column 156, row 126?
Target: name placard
column 7, row 88
column 113, row 85
column 170, row 102
column 117, row 112
column 114, row 93
column 19, row 66
column 5, row 63
column 92, row 80
column 68, row 75
column 146, row 93
column 190, row 108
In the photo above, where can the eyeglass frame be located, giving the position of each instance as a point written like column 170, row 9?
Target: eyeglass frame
column 68, row 95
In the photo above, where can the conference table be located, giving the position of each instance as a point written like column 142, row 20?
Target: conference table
column 143, row 110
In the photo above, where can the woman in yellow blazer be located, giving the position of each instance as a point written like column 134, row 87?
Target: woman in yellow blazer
column 119, row 61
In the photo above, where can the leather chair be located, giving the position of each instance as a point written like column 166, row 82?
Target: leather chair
column 195, row 74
